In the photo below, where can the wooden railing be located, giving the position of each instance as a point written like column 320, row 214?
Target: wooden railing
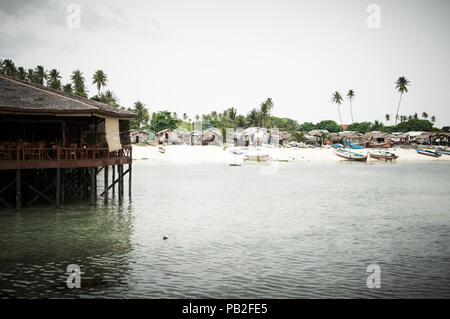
column 61, row 154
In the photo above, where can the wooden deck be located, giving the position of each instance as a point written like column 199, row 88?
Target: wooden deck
column 33, row 158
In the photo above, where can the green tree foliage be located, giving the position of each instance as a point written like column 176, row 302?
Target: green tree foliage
column 414, row 125
column 78, row 82
column 142, row 115
column 40, row 75
column 163, row 120
column 306, row 127
column 54, row 79
column 68, row 88
column 329, row 125
column 284, row 124
column 99, row 79
column 362, row 127
column 337, row 99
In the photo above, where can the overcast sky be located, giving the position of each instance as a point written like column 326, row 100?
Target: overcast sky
column 200, row 56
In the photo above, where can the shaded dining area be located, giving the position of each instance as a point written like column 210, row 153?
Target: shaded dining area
column 54, row 146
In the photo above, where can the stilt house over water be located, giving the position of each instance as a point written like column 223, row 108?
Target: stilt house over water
column 53, row 145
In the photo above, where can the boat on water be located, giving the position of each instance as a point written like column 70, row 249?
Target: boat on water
column 428, row 152
column 351, row 156
column 383, row 155
column 256, row 157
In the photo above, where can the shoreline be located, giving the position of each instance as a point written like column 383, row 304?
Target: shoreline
column 181, row 154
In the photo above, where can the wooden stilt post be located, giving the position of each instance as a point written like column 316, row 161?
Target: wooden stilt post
column 120, row 168
column 106, row 184
column 58, row 187
column 129, row 180
column 18, row 190
column 113, row 178
column 63, row 177
column 95, row 184
column 92, row 185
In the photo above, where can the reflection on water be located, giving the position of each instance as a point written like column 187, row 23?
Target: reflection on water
column 310, row 230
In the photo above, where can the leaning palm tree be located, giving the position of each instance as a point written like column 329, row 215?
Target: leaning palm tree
column 337, row 98
column 401, row 85
column 99, row 79
column 350, row 95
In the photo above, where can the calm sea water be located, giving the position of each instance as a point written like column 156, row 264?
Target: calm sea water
column 305, row 231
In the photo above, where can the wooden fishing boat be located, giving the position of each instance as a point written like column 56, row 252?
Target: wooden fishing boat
column 351, row 156
column 383, row 155
column 256, row 157
column 428, row 152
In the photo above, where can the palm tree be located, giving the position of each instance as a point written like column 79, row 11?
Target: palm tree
column 350, row 95
column 40, row 75
column 54, row 79
column 337, row 98
column 68, row 88
column 433, row 119
column 266, row 107
column 21, row 74
column 30, row 75
column 387, row 117
column 99, row 79
column 175, row 114
column 8, row 67
column 253, row 118
column 141, row 113
column 108, row 97
column 1, row 66
column 401, row 86
column 78, row 81
column 185, row 117
column 425, row 115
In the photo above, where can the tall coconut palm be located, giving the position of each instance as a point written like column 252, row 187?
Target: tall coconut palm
column 99, row 79
column 337, row 98
column 78, row 81
column 266, row 107
column 425, row 115
column 54, row 79
column 433, row 119
column 185, row 117
column 401, row 85
column 350, row 96
column 387, row 117
column 40, row 74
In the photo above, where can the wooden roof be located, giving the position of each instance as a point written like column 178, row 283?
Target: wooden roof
column 22, row 97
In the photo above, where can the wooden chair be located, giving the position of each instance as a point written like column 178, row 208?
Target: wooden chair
column 72, row 152
column 5, row 153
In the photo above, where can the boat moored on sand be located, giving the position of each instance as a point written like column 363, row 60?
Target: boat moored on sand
column 383, row 155
column 351, row 156
column 428, row 152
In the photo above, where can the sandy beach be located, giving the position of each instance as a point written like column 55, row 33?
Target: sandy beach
column 178, row 154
